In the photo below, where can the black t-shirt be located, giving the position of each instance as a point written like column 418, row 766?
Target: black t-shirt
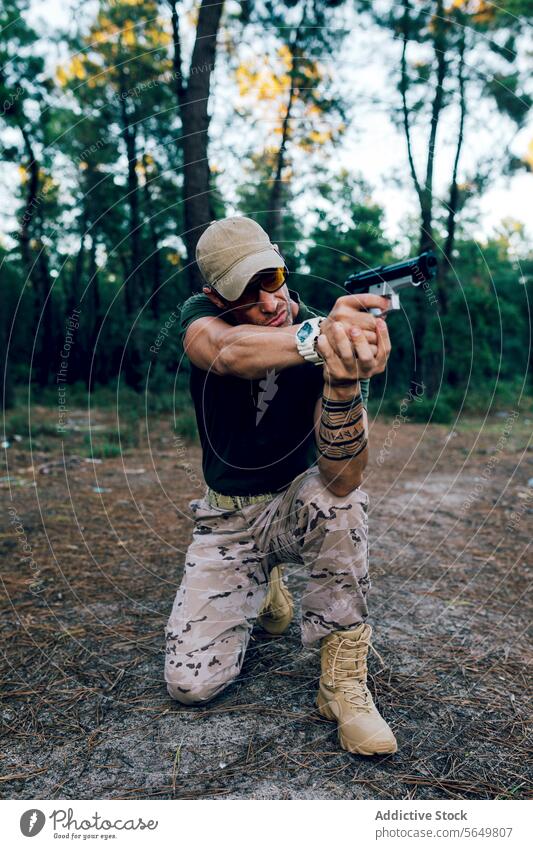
column 256, row 435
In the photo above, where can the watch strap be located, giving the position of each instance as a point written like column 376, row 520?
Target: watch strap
column 306, row 348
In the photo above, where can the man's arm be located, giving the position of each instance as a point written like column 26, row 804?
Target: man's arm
column 350, row 427
column 341, row 424
column 250, row 351
column 244, row 350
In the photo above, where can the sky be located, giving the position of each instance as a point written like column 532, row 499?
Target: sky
column 372, row 145
column 383, row 150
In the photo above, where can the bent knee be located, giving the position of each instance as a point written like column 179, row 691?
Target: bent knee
column 193, row 694
column 198, row 690
column 196, row 674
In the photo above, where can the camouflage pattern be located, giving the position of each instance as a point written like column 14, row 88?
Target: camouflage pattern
column 226, row 576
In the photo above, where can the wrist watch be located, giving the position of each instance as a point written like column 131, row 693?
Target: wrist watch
column 306, row 338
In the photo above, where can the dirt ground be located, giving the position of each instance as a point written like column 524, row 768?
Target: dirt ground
column 92, row 556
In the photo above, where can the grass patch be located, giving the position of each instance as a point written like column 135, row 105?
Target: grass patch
column 185, row 426
column 119, row 440
column 106, row 450
column 17, row 423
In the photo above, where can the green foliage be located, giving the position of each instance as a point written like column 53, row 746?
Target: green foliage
column 186, row 426
column 509, row 98
column 120, row 438
column 438, row 410
column 104, row 450
column 33, row 427
column 347, row 238
column 99, row 211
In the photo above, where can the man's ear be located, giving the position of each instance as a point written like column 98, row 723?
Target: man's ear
column 214, row 298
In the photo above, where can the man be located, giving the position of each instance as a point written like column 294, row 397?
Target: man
column 279, row 395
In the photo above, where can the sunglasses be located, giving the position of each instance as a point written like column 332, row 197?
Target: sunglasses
column 268, row 281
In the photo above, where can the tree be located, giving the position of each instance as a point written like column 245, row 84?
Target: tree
column 24, row 90
column 348, row 237
column 192, row 98
column 289, row 88
column 451, row 57
column 120, row 81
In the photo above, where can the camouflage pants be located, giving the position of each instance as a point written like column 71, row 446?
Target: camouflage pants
column 226, row 575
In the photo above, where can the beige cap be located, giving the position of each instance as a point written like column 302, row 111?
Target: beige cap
column 229, row 252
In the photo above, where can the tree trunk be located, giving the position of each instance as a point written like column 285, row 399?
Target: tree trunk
column 193, row 102
column 73, row 296
column 403, row 91
column 275, row 216
column 30, row 205
column 155, row 257
column 94, row 370
column 427, row 241
column 45, row 349
column 133, row 281
column 425, row 366
column 78, row 354
column 454, row 189
column 36, row 267
column 132, row 285
column 8, row 393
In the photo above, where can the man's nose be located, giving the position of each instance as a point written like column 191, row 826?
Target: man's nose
column 268, row 301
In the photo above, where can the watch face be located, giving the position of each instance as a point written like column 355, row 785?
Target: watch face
column 305, row 331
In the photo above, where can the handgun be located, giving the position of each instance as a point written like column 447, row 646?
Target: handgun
column 387, row 280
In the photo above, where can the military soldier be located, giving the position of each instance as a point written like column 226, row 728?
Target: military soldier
column 280, row 397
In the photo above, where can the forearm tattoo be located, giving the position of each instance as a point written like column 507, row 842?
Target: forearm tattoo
column 342, row 429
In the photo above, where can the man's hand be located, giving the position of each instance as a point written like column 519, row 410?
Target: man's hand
column 348, row 356
column 350, row 311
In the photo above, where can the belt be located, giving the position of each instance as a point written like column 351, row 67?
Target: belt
column 235, row 502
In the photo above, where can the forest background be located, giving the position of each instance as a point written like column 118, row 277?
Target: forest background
column 357, row 133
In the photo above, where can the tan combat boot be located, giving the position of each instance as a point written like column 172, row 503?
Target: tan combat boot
column 344, row 696
column 276, row 612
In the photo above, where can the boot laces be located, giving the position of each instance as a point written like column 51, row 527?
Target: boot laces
column 349, row 671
